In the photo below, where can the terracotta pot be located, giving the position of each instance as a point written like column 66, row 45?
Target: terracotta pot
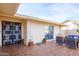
column 30, row 44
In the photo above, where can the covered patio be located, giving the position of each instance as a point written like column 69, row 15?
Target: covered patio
column 49, row 49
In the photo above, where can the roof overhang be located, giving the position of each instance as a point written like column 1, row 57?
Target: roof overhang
column 25, row 18
column 40, row 20
column 8, row 8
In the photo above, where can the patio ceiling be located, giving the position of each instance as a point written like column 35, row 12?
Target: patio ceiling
column 9, row 8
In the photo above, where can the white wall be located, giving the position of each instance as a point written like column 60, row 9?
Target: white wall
column 30, row 30
column 70, row 26
column 35, row 31
column 57, row 30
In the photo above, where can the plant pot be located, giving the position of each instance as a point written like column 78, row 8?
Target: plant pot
column 44, row 41
column 30, row 44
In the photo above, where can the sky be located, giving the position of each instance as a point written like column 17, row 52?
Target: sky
column 50, row 11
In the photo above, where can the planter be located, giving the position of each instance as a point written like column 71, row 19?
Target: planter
column 30, row 44
column 44, row 41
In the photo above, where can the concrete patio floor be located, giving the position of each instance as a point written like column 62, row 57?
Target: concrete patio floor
column 49, row 49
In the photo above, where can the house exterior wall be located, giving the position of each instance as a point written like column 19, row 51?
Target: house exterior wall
column 57, row 30
column 70, row 28
column 35, row 31
column 31, row 30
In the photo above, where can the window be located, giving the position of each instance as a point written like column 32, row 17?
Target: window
column 49, row 32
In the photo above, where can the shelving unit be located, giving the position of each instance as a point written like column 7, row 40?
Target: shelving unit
column 11, row 32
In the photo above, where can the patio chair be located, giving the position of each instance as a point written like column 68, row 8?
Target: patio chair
column 59, row 40
column 71, row 43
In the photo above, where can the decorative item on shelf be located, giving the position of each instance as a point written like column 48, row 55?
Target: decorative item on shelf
column 44, row 41
column 30, row 43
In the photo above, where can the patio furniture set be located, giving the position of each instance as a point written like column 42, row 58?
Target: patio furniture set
column 70, row 41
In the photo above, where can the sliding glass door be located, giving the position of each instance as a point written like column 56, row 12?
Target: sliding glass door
column 49, row 31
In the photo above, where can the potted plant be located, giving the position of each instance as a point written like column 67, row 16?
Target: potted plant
column 44, row 41
column 30, row 43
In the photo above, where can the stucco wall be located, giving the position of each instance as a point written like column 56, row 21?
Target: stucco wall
column 35, row 31
column 70, row 28
column 57, row 30
column 31, row 30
